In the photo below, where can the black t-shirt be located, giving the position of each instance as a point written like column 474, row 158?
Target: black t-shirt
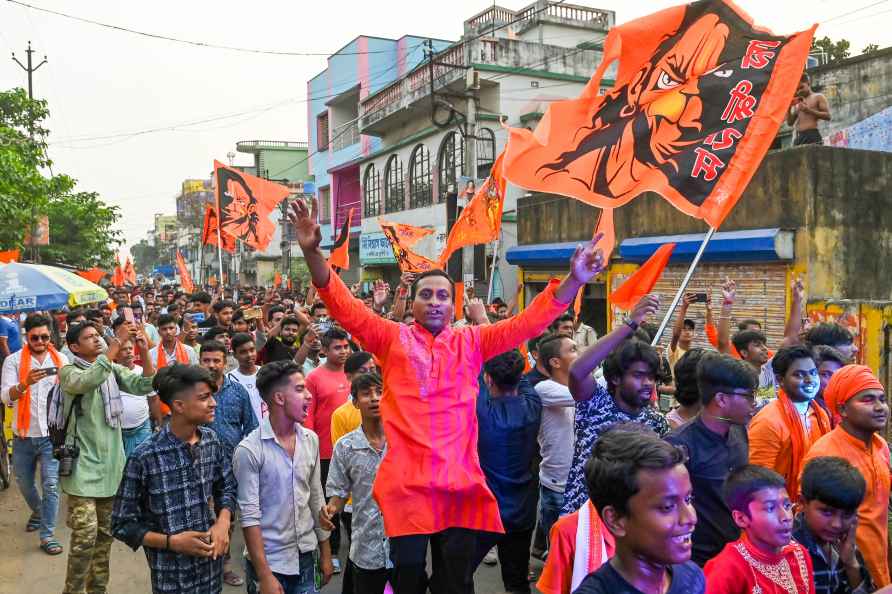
column 687, row 578
column 276, row 350
column 711, row 458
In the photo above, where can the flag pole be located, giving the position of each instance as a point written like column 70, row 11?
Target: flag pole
column 684, row 285
column 219, row 251
column 492, row 271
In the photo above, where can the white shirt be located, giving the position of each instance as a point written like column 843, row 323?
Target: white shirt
column 39, row 391
column 555, row 434
column 136, row 408
column 250, row 384
column 172, row 357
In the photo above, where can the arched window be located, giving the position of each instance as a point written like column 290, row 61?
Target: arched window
column 394, row 196
column 486, row 152
column 371, row 191
column 420, row 177
column 450, row 162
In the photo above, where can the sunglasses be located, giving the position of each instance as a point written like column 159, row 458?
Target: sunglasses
column 39, row 337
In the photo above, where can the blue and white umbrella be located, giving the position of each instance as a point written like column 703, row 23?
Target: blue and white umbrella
column 30, row 287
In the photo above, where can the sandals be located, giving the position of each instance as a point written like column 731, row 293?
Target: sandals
column 51, row 547
column 232, row 579
column 33, row 523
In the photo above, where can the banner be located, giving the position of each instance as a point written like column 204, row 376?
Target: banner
column 699, row 96
column 407, row 260
column 185, row 277
column 340, row 251
column 481, row 219
column 244, row 203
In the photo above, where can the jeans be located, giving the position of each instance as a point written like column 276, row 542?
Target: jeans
column 550, row 503
column 452, row 557
column 301, row 583
column 135, row 436
column 25, row 454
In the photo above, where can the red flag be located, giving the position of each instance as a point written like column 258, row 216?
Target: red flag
column 698, row 98
column 481, row 219
column 245, row 203
column 340, row 251
column 9, row 256
column 118, row 276
column 407, row 260
column 643, row 280
column 94, row 275
column 408, row 235
column 209, row 231
column 185, row 277
column 129, row 272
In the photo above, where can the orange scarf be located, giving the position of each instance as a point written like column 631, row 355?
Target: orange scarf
column 179, row 353
column 23, row 420
column 799, row 436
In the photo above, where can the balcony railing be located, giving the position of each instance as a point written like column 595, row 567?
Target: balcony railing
column 247, row 146
column 497, row 15
column 345, row 135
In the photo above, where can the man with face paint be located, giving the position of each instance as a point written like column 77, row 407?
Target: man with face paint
column 783, row 431
column 430, row 486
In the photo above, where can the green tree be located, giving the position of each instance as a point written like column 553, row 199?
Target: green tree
column 82, row 231
column 145, row 256
column 870, row 48
column 834, row 50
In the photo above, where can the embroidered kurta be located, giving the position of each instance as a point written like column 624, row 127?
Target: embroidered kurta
column 430, row 478
column 742, row 569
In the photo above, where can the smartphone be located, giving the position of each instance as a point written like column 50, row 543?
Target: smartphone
column 701, row 298
column 323, row 326
column 196, row 318
column 51, row 370
column 127, row 312
column 253, row 313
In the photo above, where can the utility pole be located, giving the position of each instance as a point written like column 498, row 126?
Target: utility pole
column 472, row 86
column 31, row 69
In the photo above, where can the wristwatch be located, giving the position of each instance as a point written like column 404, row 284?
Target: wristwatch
column 631, row 324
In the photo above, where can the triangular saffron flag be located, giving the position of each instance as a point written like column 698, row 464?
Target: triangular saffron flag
column 9, row 256
column 577, row 303
column 244, row 203
column 209, row 231
column 459, row 290
column 481, row 219
column 94, row 275
column 185, row 277
column 642, row 280
column 697, row 99
column 340, row 251
column 277, row 279
column 408, row 235
column 407, row 260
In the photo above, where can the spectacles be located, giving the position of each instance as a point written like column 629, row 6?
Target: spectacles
column 749, row 395
column 39, row 337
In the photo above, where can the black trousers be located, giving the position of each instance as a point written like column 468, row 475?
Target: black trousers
column 334, row 540
column 514, row 557
column 452, row 557
column 368, row 581
column 808, row 137
column 347, row 579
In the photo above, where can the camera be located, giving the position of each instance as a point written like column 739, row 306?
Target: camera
column 66, row 455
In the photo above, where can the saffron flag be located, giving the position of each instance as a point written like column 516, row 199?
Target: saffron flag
column 185, row 277
column 118, row 276
column 408, row 235
column 209, row 231
column 642, row 280
column 459, row 310
column 245, row 203
column 481, row 219
column 340, row 251
column 407, row 260
column 699, row 96
column 607, row 231
column 129, row 272
column 94, row 275
column 8, row 256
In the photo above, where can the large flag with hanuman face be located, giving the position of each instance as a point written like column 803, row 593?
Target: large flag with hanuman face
column 700, row 93
column 244, row 203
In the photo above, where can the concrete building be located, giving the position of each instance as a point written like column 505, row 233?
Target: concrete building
column 508, row 66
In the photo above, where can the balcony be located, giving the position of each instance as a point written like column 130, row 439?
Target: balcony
column 252, row 146
column 393, row 105
column 516, row 22
column 344, row 136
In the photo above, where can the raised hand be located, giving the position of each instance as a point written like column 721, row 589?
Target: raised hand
column 587, row 261
column 798, row 290
column 477, row 312
column 646, row 307
column 729, row 291
column 379, row 295
column 308, row 232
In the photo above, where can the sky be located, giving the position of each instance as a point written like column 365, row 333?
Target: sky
column 147, row 94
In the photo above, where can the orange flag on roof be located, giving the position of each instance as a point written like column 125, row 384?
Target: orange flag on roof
column 185, row 277
column 340, row 251
column 245, row 203
column 9, row 256
column 408, row 235
column 642, row 280
column 698, row 98
column 209, row 231
column 481, row 219
column 407, row 260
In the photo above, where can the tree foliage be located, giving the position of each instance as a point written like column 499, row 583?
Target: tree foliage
column 870, row 48
column 145, row 256
column 81, row 225
column 834, row 50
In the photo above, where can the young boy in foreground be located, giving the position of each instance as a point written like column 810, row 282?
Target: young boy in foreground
column 641, row 489
column 832, row 491
column 765, row 560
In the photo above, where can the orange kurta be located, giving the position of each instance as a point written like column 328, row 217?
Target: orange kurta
column 771, row 441
column 873, row 464
column 430, row 478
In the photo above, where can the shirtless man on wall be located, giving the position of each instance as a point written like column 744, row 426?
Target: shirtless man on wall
column 808, row 107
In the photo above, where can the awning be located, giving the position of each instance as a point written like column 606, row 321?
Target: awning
column 758, row 245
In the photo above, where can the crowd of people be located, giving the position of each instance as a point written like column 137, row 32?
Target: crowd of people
column 434, row 445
